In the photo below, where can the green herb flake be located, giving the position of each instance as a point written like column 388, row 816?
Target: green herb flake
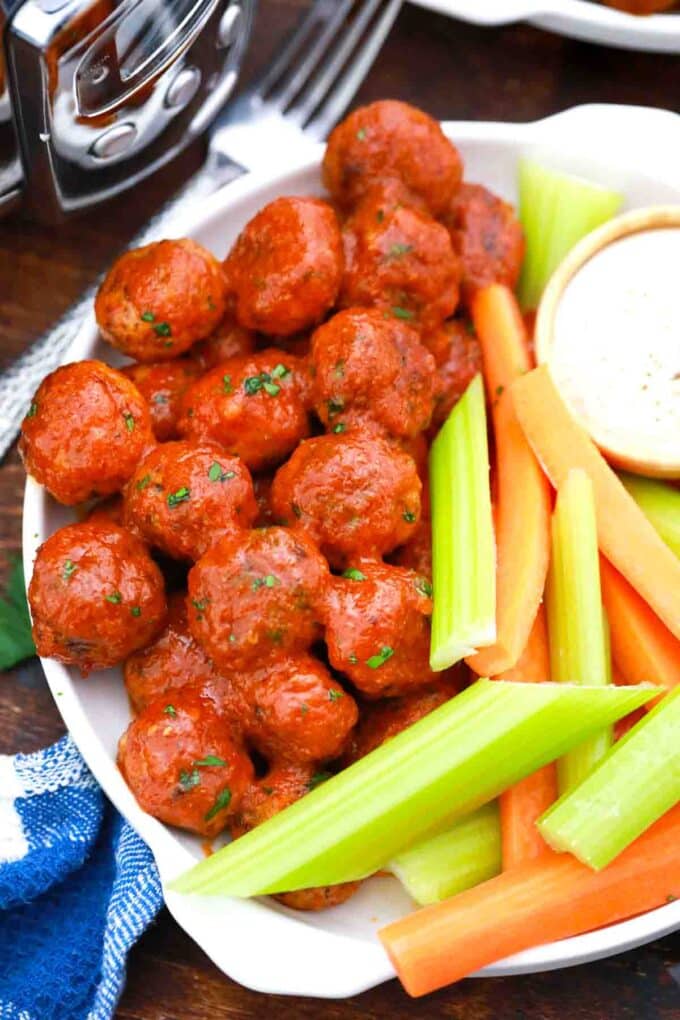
column 222, row 802
column 227, row 386
column 136, row 611
column 271, row 388
column 335, row 405
column 143, row 482
column 275, row 635
column 170, row 710
column 188, row 780
column 129, row 421
column 339, row 370
column 252, row 385
column 268, row 581
column 353, row 659
column 402, row 313
column 210, row 760
column 424, row 587
column 353, row 574
column 317, row 779
column 380, row 215
column 280, row 371
column 397, row 251
column 296, row 510
column 335, row 695
column 409, row 516
column 376, row 661
column 32, row 411
column 69, row 569
column 339, row 428
column 162, row 329
column 147, row 317
column 304, row 708
column 361, row 135
column 216, row 473
column 500, row 390
column 115, row 598
column 200, row 604
column 181, row 496
column 160, row 398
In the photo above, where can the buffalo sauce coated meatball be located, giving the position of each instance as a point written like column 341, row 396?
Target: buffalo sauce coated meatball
column 299, row 712
column 174, row 659
column 284, row 270
column 96, row 596
column 85, row 430
column 400, row 261
column 185, row 496
column 378, row 628
column 158, row 300
column 488, row 238
column 459, row 358
column 389, row 139
column 285, row 783
column 228, row 341
column 257, row 594
column 367, row 367
column 354, row 494
column 384, row 719
column 254, row 406
column 163, row 385
column 185, row 767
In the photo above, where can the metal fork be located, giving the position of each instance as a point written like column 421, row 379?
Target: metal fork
column 283, row 115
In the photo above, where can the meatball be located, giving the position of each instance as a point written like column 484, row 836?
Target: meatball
column 84, row 432
column 355, row 494
column 285, row 268
column 185, row 767
column 228, row 341
column 285, row 783
column 163, row 385
column 257, row 594
column 488, row 238
column 96, row 596
column 254, row 406
column 459, row 358
column 400, row 261
column 185, row 496
column 378, row 628
column 383, row 720
column 174, row 659
column 299, row 712
column 389, row 139
column 366, row 367
column 158, row 300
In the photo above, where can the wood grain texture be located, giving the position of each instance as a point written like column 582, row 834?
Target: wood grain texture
column 453, row 71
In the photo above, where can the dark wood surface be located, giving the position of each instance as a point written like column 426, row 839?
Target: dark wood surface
column 452, row 71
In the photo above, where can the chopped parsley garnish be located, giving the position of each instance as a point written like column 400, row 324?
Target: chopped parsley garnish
column 129, row 421
column 216, row 473
column 296, row 510
column 222, row 802
column 210, row 760
column 69, row 569
column 353, row 574
column 160, row 398
column 376, row 661
column 335, row 405
column 340, row 427
column 162, row 329
column 135, row 610
column 397, row 250
column 409, row 516
column 335, row 695
column 361, row 134
column 254, row 383
column 115, row 598
column 200, row 604
column 32, row 411
column 148, row 317
column 280, row 371
column 353, row 659
column 143, row 482
column 271, row 388
column 226, row 384
column 275, row 635
column 339, row 369
column 317, row 779
column 304, row 708
column 424, row 586
column 170, row 710
column 181, row 496
column 268, row 581
column 188, row 780
column 402, row 313
column 380, row 215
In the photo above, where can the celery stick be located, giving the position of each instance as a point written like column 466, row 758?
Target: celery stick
column 660, row 503
column 463, row 547
column 578, row 640
column 446, row 765
column 446, row 864
column 637, row 782
column 556, row 211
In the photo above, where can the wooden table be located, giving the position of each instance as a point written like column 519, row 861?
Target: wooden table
column 453, row 71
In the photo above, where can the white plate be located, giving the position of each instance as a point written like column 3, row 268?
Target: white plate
column 336, row 953
column 580, row 19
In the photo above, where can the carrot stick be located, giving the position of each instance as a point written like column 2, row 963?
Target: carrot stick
column 550, row 898
column 643, row 648
column 523, row 528
column 523, row 804
column 625, row 535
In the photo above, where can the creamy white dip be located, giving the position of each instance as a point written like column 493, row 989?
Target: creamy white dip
column 616, row 345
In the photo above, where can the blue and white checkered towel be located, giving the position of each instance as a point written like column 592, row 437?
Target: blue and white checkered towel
column 77, row 889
